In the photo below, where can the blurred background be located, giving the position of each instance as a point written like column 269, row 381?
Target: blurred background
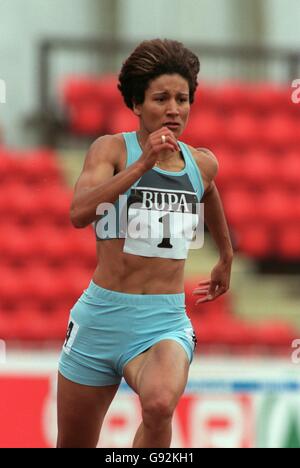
column 58, row 76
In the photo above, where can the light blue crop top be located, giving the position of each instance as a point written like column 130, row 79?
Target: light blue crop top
column 166, row 201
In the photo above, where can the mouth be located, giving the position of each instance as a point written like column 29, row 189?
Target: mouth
column 172, row 125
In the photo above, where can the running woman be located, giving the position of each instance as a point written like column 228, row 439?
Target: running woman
column 131, row 321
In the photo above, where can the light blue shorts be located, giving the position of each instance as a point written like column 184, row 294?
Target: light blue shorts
column 107, row 329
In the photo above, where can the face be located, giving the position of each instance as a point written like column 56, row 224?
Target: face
column 166, row 104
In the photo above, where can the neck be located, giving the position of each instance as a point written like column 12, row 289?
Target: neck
column 142, row 136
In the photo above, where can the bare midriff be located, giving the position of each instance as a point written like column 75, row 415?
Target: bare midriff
column 133, row 274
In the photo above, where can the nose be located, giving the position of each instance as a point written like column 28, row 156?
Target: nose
column 172, row 108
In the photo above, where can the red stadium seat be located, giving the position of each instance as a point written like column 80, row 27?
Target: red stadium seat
column 122, row 120
column 57, row 325
column 266, row 98
column 54, row 204
column 279, row 132
column 242, row 130
column 15, row 245
column 49, row 245
column 276, row 207
column 242, row 207
column 17, row 201
column 42, row 286
column 84, row 103
column 275, row 333
column 82, row 241
column 87, row 118
column 288, row 168
column 33, row 325
column 31, row 321
column 6, row 167
column 9, row 327
column 78, row 89
column 255, row 240
column 228, row 332
column 257, row 169
column 38, row 167
column 74, row 281
column 204, row 129
column 232, row 96
column 230, row 169
column 10, row 284
column 288, row 242
column 205, row 98
column 110, row 96
column 30, row 205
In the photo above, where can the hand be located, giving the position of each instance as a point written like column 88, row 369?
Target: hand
column 154, row 146
column 217, row 285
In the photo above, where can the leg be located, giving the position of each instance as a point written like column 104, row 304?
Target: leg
column 81, row 410
column 159, row 377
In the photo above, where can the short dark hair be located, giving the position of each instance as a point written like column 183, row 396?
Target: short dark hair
column 151, row 59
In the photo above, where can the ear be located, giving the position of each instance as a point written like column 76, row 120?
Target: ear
column 137, row 109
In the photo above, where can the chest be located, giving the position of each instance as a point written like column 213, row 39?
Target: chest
column 177, row 165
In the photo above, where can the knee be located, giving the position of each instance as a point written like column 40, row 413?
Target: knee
column 158, row 408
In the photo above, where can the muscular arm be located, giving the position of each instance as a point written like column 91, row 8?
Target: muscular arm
column 97, row 182
column 216, row 222
column 214, row 218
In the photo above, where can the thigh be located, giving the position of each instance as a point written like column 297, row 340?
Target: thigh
column 162, row 369
column 81, row 410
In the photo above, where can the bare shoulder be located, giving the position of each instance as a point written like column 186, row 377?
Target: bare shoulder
column 108, row 148
column 206, row 161
column 102, row 161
